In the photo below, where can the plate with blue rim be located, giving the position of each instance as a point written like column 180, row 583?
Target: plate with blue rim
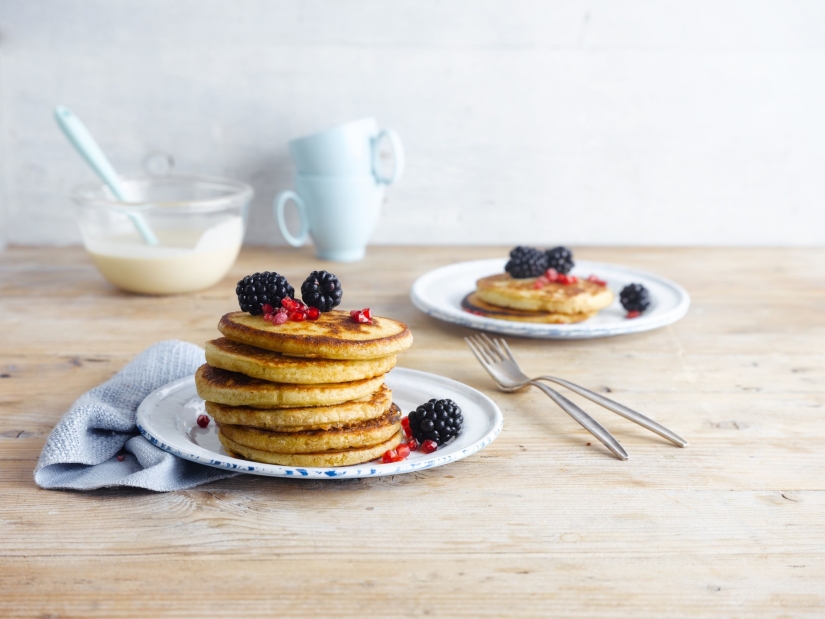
column 439, row 293
column 168, row 419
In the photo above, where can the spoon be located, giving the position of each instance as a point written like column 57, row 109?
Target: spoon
column 86, row 145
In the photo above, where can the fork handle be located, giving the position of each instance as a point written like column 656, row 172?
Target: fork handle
column 587, row 422
column 622, row 410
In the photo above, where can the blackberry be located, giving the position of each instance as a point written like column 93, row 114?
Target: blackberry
column 436, row 420
column 322, row 290
column 526, row 262
column 635, row 298
column 560, row 258
column 259, row 288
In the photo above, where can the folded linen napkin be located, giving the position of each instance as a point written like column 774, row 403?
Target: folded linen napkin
column 81, row 451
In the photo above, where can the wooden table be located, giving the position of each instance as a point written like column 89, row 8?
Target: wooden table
column 543, row 522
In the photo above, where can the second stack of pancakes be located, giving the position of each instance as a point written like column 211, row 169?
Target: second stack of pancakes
column 273, row 406
column 531, row 300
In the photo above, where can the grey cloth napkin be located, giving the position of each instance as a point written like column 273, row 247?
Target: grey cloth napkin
column 81, row 451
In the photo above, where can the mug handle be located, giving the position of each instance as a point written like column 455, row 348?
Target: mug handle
column 397, row 155
column 280, row 205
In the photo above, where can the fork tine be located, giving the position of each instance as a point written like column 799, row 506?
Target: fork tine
column 498, row 341
column 480, row 355
column 507, row 350
column 491, row 347
column 482, row 346
column 488, row 343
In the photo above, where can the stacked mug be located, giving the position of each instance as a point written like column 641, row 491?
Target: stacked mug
column 339, row 187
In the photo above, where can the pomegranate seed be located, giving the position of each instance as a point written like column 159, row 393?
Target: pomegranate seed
column 552, row 275
column 288, row 303
column 541, row 282
column 412, row 444
column 405, row 421
column 403, row 450
column 296, row 316
column 121, row 457
column 280, row 318
column 363, row 316
column 407, row 431
column 389, row 456
column 634, row 314
column 203, row 421
column 313, row 313
column 429, row 446
column 267, row 309
column 597, row 281
column 567, row 279
column 269, row 317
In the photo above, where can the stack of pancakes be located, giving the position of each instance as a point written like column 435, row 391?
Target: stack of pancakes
column 306, row 393
column 505, row 297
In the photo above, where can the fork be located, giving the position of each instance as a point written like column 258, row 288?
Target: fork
column 497, row 358
column 509, row 377
column 500, row 346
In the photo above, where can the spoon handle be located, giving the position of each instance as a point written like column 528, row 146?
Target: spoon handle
column 86, row 145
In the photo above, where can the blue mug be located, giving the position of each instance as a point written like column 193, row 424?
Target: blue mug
column 338, row 212
column 352, row 149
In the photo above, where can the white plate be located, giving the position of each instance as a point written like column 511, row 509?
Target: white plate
column 439, row 293
column 167, row 418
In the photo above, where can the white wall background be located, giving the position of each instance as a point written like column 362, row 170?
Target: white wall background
column 583, row 122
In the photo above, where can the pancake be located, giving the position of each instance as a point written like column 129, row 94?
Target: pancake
column 335, row 335
column 362, row 434
column 275, row 367
column 583, row 297
column 306, row 418
column 346, row 457
column 472, row 303
column 223, row 387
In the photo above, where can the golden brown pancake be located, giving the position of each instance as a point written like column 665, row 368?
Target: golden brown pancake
column 223, row 387
column 335, row 335
column 275, row 367
column 346, row 457
column 305, row 418
column 363, row 434
column 583, row 297
column 472, row 303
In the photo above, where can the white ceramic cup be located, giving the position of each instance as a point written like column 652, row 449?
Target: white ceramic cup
column 351, row 149
column 338, row 212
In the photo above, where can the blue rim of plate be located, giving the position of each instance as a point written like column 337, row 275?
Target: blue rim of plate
column 583, row 330
column 204, row 456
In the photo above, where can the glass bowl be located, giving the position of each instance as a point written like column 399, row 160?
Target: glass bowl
column 199, row 223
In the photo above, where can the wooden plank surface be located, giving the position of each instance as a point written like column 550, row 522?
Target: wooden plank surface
column 537, row 524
